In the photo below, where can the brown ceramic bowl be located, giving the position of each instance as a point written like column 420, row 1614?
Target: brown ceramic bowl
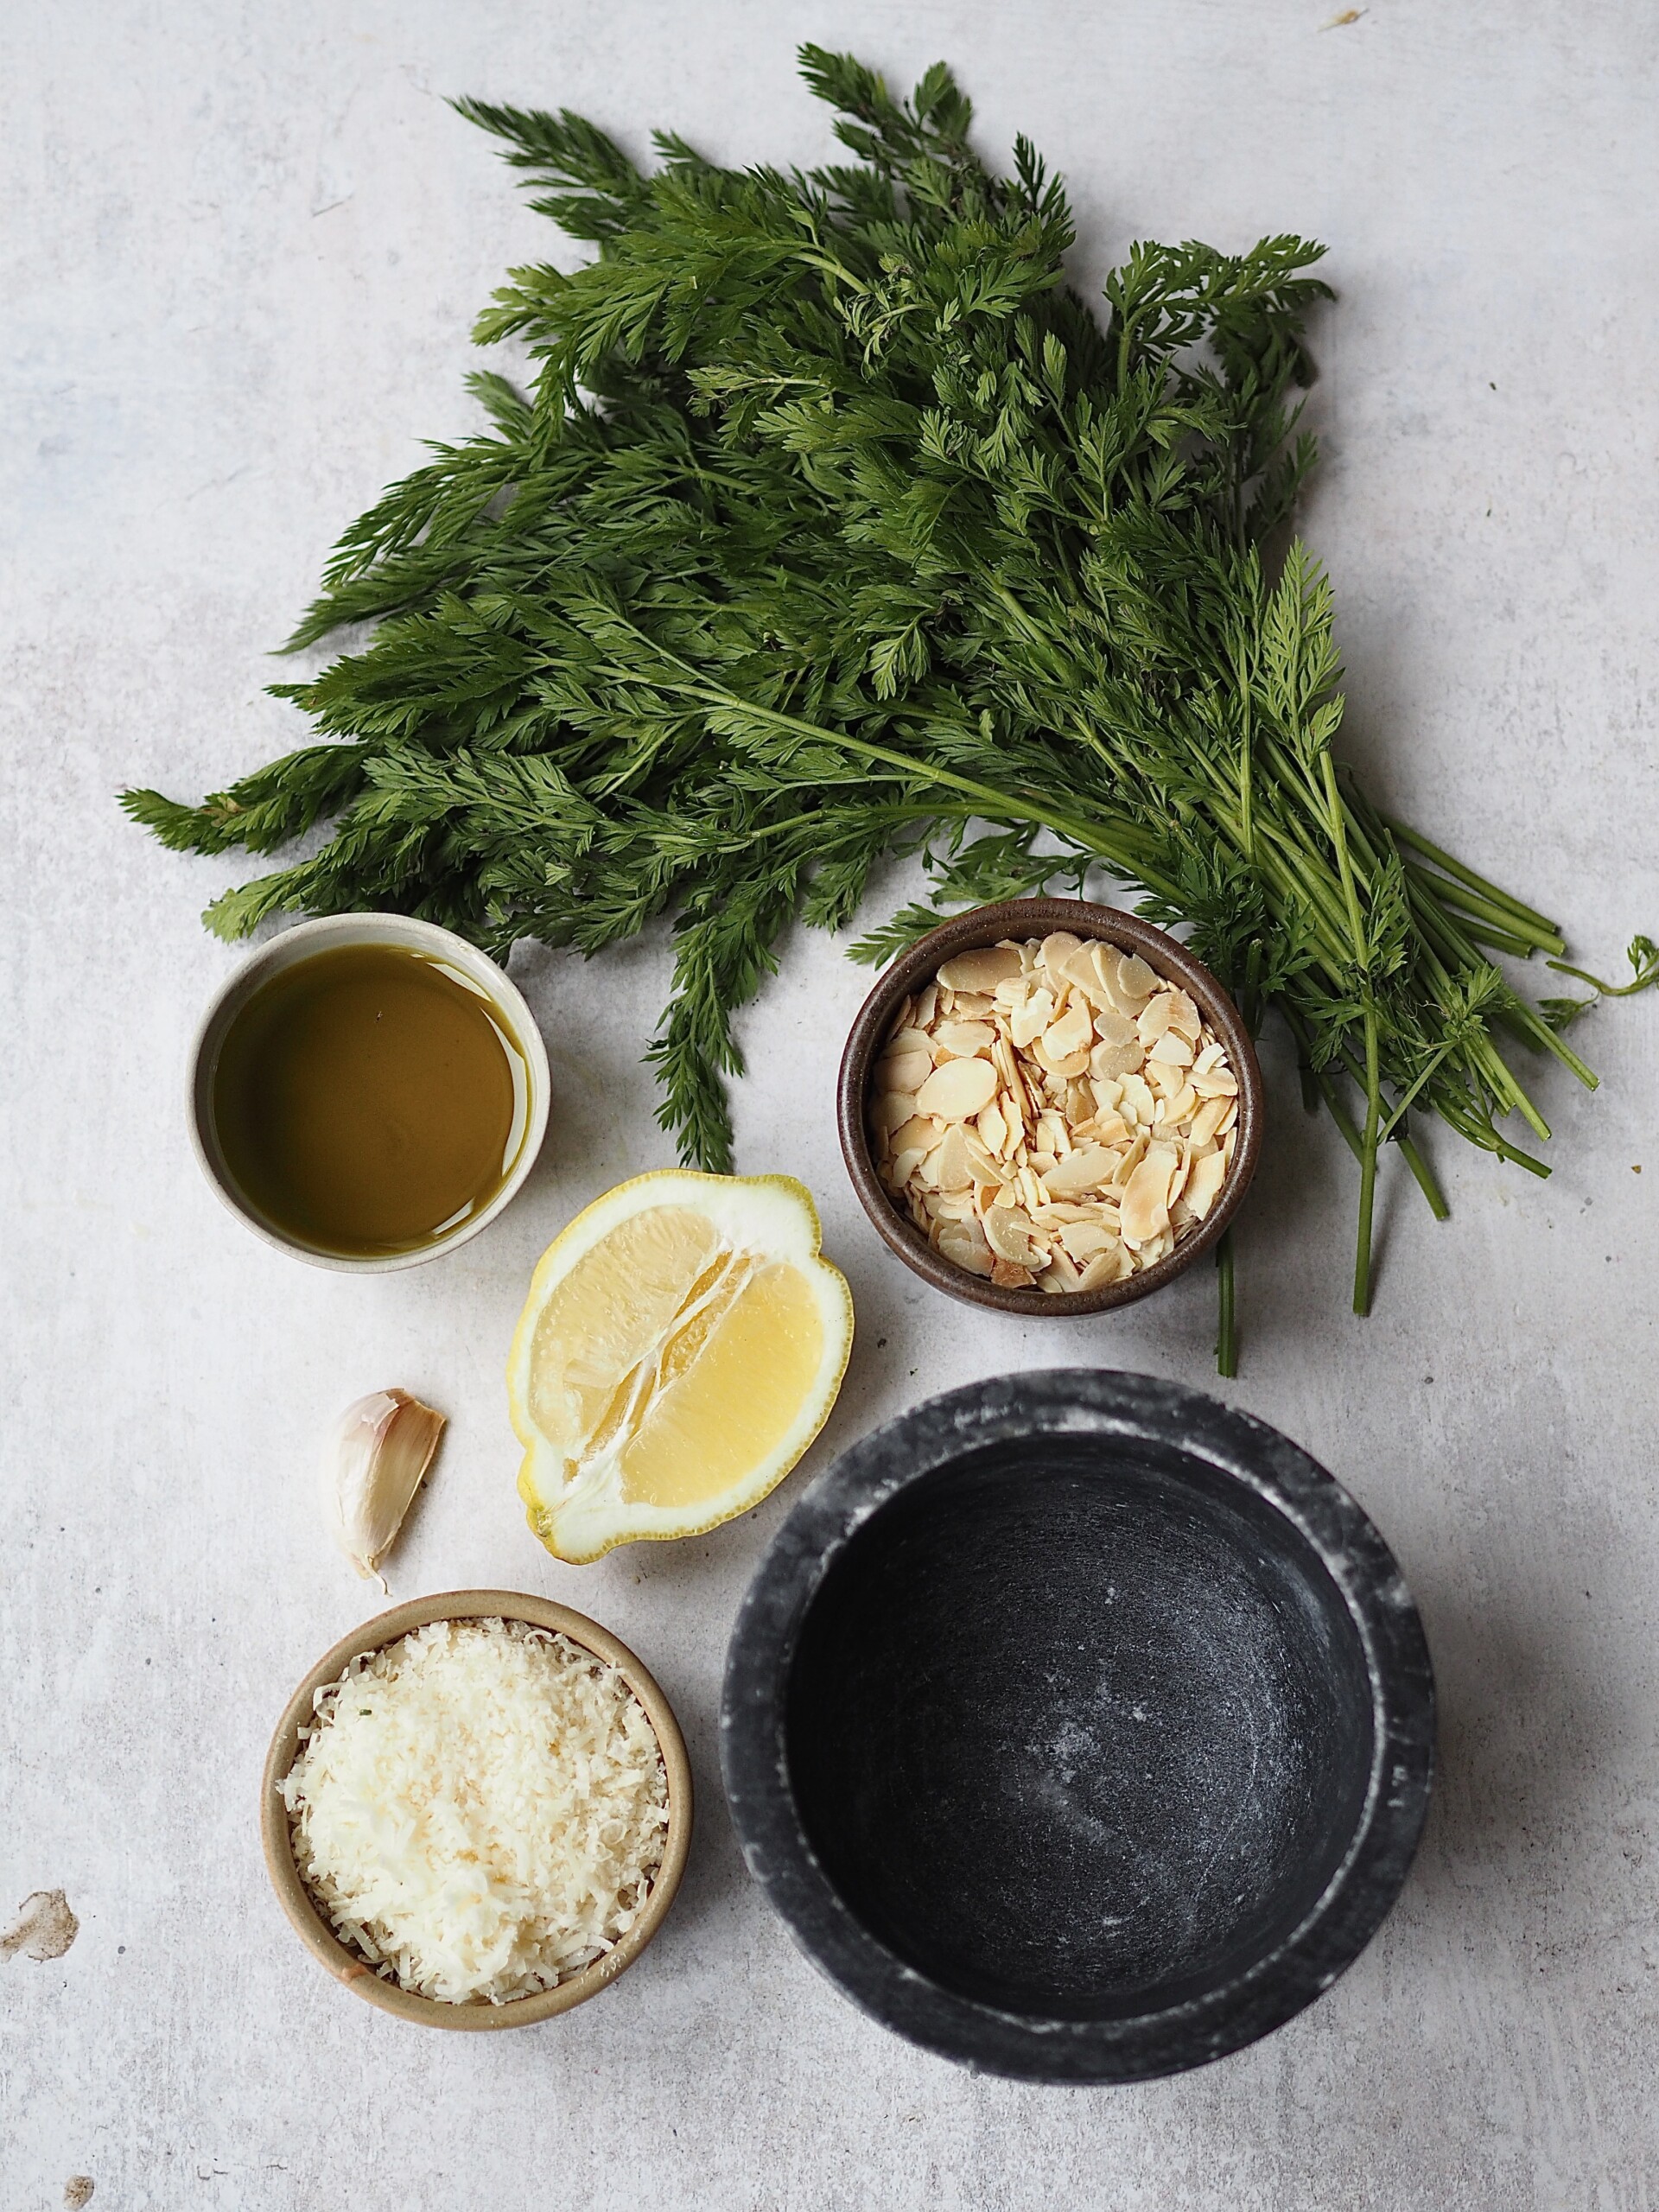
column 348, row 1966
column 1021, row 919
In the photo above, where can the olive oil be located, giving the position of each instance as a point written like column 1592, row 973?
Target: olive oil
column 368, row 1100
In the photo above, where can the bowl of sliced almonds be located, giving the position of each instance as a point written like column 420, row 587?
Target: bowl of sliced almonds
column 1050, row 1107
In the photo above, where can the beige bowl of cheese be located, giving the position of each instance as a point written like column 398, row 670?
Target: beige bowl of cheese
column 476, row 1809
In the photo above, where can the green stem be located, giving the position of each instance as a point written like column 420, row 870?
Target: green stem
column 1422, row 1174
column 1499, row 940
column 1226, row 1315
column 1399, row 1113
column 1644, row 980
column 1373, row 1076
column 1442, row 936
column 1444, row 862
column 1486, row 1139
column 1246, row 769
column 1427, row 1182
column 1481, row 909
column 1344, row 1121
column 1524, row 1017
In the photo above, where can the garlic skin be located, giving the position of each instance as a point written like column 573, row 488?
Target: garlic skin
column 379, row 1450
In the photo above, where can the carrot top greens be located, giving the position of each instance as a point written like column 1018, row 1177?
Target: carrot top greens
column 835, row 524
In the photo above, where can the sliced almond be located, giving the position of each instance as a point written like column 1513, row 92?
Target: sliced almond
column 1203, row 1183
column 921, row 1133
column 1032, row 1017
column 957, row 1090
column 983, row 1166
column 1052, row 1133
column 1088, row 969
column 1178, row 1180
column 1207, row 1120
column 1106, row 1267
column 1060, row 1276
column 964, row 1244
column 907, row 1164
column 1134, row 979
column 1153, row 1018
column 1008, row 1231
column 1145, row 1210
column 1110, row 1062
column 1082, row 1239
column 1184, row 1017
column 1137, row 1101
column 912, row 1039
column 1163, row 1079
column 891, row 1110
column 952, row 1165
column 1007, row 1277
column 1060, row 1072
column 953, row 1205
column 1114, row 1028
column 904, row 1070
column 1167, row 1155
column 1073, row 1033
column 981, row 969
column 1056, row 949
column 1172, row 1050
column 1019, row 1106
column 963, row 1040
column 1129, row 1160
column 1088, row 1169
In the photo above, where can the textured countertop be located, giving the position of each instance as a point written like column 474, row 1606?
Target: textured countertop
column 243, row 245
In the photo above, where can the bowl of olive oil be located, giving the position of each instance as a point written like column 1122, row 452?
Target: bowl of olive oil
column 367, row 1091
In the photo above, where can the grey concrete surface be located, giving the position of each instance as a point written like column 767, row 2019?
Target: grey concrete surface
column 242, row 247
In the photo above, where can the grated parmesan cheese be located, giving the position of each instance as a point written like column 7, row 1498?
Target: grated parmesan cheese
column 478, row 1809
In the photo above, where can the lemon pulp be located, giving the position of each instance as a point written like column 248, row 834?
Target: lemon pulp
column 682, row 1345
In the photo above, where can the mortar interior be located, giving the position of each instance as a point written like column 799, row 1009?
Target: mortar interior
column 1079, row 1729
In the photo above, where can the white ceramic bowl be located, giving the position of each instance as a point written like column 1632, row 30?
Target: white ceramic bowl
column 329, row 934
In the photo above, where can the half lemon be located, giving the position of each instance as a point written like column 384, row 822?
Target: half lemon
column 682, row 1345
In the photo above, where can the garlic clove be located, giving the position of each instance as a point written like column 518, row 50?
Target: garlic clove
column 379, row 1450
